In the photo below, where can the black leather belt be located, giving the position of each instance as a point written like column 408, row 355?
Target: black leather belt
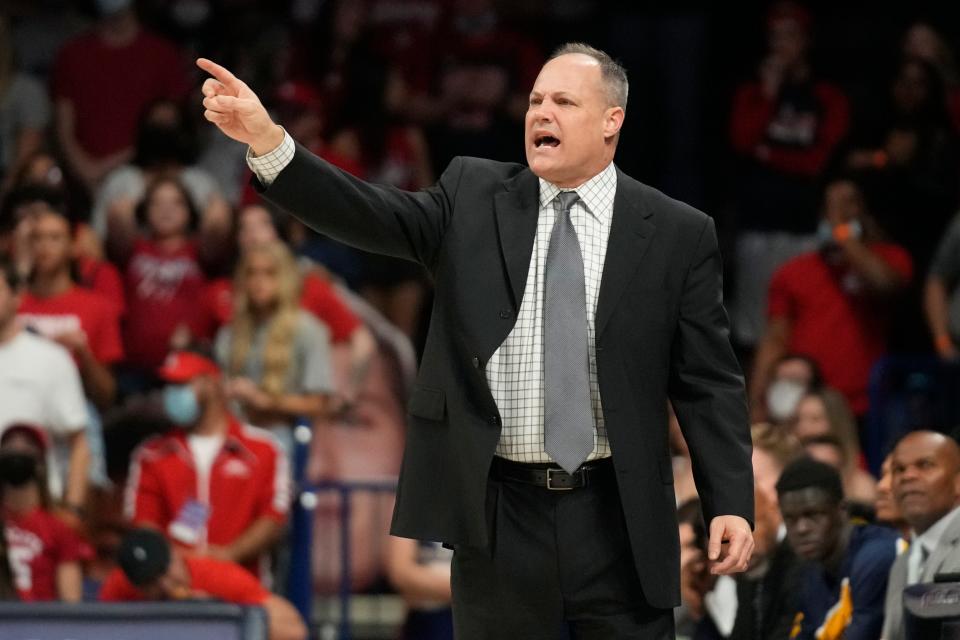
column 551, row 476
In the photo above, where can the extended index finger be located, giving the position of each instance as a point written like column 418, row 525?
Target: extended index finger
column 221, row 73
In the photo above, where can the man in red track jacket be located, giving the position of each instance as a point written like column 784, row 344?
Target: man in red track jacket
column 211, row 483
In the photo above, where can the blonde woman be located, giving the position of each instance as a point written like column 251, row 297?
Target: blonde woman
column 276, row 355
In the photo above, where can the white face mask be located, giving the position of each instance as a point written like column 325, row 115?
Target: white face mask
column 783, row 396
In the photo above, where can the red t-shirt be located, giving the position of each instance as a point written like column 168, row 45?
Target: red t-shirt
column 37, row 543
column 209, row 578
column 76, row 309
column 104, row 278
column 110, row 86
column 800, row 131
column 164, row 290
column 318, row 297
column 832, row 321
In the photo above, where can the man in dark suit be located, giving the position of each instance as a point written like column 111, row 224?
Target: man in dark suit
column 570, row 302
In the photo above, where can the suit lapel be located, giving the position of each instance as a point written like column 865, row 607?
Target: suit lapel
column 630, row 234
column 518, row 208
column 946, row 546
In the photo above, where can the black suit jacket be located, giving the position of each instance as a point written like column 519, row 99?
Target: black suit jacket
column 661, row 331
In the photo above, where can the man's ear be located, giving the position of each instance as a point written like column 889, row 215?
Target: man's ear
column 612, row 121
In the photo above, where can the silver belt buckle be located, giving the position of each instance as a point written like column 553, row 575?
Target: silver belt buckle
column 550, row 486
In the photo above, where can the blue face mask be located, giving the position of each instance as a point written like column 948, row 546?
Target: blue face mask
column 180, row 404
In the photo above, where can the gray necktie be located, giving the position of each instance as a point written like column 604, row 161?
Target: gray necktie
column 568, row 423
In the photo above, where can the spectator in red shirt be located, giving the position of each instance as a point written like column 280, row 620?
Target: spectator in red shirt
column 164, row 275
column 211, row 484
column 89, row 269
column 257, row 226
column 44, row 553
column 150, row 569
column 833, row 304
column 96, row 123
column 79, row 319
column 784, row 126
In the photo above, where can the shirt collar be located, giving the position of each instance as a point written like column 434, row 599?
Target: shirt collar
column 931, row 537
column 592, row 192
column 233, row 441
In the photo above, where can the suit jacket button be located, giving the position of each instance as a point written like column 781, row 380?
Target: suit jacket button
column 476, row 362
column 505, row 313
column 495, row 420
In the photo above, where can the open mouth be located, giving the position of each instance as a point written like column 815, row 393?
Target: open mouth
column 546, row 141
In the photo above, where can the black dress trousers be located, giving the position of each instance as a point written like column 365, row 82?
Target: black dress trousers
column 558, row 566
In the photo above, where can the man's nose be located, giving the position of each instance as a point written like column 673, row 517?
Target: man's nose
column 541, row 114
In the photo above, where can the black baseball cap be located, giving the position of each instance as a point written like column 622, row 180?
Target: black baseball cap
column 144, row 556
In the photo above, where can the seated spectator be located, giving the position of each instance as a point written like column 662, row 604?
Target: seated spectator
column 21, row 208
column 924, row 42
column 834, row 304
column 277, row 355
column 211, row 484
column 24, row 113
column 926, row 486
column 941, row 300
column 152, row 569
column 55, row 307
column 164, row 277
column 773, row 449
column 784, row 126
column 828, row 449
column 793, row 375
column 762, row 601
column 886, row 508
column 166, row 146
column 257, row 226
column 45, row 553
column 39, row 384
column 420, row 573
column 842, row 588
column 95, row 134
column 825, row 413
column 910, row 157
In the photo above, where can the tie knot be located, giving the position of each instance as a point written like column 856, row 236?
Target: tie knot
column 567, row 200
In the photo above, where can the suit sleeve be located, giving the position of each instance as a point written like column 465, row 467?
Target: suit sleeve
column 707, row 388
column 375, row 218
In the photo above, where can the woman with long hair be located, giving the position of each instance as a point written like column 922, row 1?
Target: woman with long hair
column 276, row 354
column 823, row 415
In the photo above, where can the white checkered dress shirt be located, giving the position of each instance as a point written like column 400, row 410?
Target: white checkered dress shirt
column 515, row 371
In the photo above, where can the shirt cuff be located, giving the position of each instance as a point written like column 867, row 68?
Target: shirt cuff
column 268, row 166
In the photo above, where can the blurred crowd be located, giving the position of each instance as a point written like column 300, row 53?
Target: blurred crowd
column 168, row 340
